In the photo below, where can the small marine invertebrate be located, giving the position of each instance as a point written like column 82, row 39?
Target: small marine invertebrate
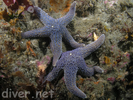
column 5, row 15
column 111, row 79
column 42, row 65
column 15, row 30
column 45, row 60
column 13, row 21
column 110, row 3
column 107, row 60
column 96, row 82
column 2, row 76
column 30, row 49
column 72, row 62
column 106, row 29
column 127, row 55
column 55, row 29
column 17, row 4
column 95, row 36
column 80, row 81
column 17, row 49
column 89, row 35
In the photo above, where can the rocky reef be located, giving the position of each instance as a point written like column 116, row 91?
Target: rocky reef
column 24, row 63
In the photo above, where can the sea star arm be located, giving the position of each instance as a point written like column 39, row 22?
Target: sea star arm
column 70, row 81
column 88, row 49
column 86, row 71
column 70, row 39
column 40, row 32
column 53, row 74
column 43, row 16
column 56, row 47
column 69, row 16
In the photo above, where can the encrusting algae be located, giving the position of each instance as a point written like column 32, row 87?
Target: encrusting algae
column 60, row 5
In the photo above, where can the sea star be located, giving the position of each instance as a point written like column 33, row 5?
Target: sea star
column 72, row 62
column 55, row 29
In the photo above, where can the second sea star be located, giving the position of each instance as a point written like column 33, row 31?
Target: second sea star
column 72, row 62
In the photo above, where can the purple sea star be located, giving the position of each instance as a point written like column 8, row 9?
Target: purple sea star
column 55, row 29
column 72, row 62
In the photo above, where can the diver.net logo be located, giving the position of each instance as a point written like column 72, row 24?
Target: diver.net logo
column 8, row 93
